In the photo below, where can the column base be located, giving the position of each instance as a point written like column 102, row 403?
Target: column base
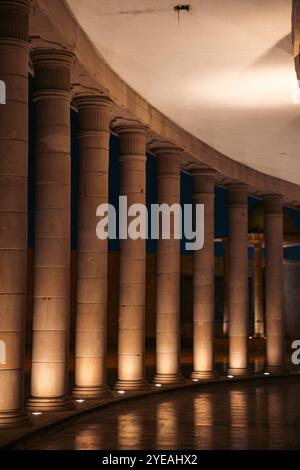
column 200, row 375
column 14, row 419
column 102, row 391
column 168, row 379
column 238, row 372
column 131, row 385
column 50, row 404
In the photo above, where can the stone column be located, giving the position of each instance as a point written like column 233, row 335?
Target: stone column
column 204, row 279
column 51, row 296
column 168, row 273
column 226, row 287
column 131, row 342
column 259, row 328
column 238, row 278
column 14, row 53
column 90, row 355
column 274, row 281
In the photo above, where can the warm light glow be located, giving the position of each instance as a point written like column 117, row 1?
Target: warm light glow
column 266, row 373
column 195, row 380
column 37, row 413
column 250, row 337
column 80, row 401
column 158, row 385
column 230, row 376
column 121, row 392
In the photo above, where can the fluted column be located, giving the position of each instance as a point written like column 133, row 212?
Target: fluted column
column 204, row 279
column 274, row 281
column 14, row 53
column 226, row 287
column 168, row 273
column 91, row 315
column 259, row 327
column 131, row 342
column 51, row 297
column 238, row 278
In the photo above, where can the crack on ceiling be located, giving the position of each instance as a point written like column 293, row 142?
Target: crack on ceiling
column 141, row 12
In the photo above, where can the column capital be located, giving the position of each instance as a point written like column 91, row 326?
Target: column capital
column 123, row 127
column 15, row 25
column 132, row 139
column 165, row 149
column 94, row 113
column 89, row 101
column 273, row 204
column 205, row 172
column 203, row 180
column 52, row 69
column 237, row 194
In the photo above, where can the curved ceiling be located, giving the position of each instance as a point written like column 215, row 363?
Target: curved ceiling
column 225, row 73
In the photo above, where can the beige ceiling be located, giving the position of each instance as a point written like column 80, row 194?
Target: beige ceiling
column 225, row 73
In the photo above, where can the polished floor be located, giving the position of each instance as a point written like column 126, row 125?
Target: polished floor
column 249, row 415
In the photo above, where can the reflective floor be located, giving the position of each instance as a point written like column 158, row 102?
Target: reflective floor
column 249, row 415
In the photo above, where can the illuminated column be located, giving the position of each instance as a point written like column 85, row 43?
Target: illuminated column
column 168, row 273
column 204, row 280
column 259, row 330
column 226, row 287
column 274, row 281
column 131, row 343
column 14, row 53
column 90, row 367
column 238, row 278
column 51, row 295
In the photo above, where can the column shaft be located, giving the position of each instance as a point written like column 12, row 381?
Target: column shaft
column 204, row 280
column 51, row 297
column 14, row 53
column 274, row 281
column 168, row 274
column 131, row 341
column 90, row 356
column 226, row 287
column 259, row 329
column 238, row 279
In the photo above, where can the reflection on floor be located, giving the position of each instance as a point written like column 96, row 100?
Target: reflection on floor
column 250, row 415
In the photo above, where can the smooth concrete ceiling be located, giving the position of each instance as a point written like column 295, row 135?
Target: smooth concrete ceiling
column 225, row 73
